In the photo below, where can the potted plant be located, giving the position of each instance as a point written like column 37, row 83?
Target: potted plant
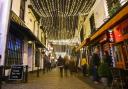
column 104, row 72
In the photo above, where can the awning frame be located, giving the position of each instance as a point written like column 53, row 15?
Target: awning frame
column 23, row 29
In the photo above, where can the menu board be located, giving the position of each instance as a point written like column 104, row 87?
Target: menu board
column 16, row 72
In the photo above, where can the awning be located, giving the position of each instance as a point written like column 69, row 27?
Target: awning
column 18, row 27
column 120, row 15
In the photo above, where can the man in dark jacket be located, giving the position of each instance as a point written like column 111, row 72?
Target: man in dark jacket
column 95, row 63
column 61, row 65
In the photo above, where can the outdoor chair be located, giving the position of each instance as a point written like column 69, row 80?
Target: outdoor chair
column 119, row 79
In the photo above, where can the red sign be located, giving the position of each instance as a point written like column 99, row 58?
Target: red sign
column 121, row 30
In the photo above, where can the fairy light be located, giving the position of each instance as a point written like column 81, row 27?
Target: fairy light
column 61, row 15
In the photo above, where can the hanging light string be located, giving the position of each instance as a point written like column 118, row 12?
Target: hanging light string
column 60, row 16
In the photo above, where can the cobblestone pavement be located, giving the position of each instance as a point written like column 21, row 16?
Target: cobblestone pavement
column 51, row 80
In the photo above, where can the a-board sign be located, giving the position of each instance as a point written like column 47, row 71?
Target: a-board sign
column 16, row 72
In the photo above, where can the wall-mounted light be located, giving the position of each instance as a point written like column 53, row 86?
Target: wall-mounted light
column 29, row 42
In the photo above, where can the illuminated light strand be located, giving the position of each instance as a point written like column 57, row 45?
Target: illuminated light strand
column 63, row 13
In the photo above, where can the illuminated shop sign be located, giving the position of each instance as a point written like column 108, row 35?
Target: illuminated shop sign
column 121, row 30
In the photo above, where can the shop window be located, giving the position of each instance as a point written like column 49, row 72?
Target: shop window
column 118, row 53
column 22, row 9
column 121, row 53
column 92, row 24
column 13, row 50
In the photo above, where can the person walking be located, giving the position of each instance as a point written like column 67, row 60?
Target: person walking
column 45, row 63
column 84, row 66
column 61, row 65
column 95, row 65
column 66, row 65
column 72, row 66
column 107, row 58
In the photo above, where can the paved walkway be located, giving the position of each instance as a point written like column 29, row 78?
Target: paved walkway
column 51, row 80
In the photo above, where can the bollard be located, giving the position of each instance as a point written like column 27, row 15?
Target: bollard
column 38, row 72
column 0, row 84
column 26, row 74
column 1, row 76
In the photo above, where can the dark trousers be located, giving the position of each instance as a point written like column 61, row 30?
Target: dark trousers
column 84, row 70
column 95, row 74
column 61, row 71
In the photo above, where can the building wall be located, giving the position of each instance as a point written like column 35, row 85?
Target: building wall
column 25, row 52
column 16, row 6
column 29, row 19
column 87, row 28
column 100, row 14
column 32, row 23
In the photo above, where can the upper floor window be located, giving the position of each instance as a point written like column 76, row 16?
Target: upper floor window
column 22, row 9
column 92, row 24
column 82, row 34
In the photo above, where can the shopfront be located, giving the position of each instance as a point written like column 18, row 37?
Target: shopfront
column 121, row 44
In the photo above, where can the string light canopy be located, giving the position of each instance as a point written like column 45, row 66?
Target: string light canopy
column 59, row 18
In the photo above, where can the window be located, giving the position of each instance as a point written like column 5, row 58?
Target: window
column 121, row 53
column 13, row 50
column 82, row 34
column 92, row 24
column 22, row 9
column 42, row 37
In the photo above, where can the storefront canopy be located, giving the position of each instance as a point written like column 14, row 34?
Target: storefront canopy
column 18, row 27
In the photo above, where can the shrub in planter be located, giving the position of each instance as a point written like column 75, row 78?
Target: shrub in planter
column 104, row 72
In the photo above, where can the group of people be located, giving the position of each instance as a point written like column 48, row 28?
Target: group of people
column 66, row 65
column 96, row 61
column 48, row 63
